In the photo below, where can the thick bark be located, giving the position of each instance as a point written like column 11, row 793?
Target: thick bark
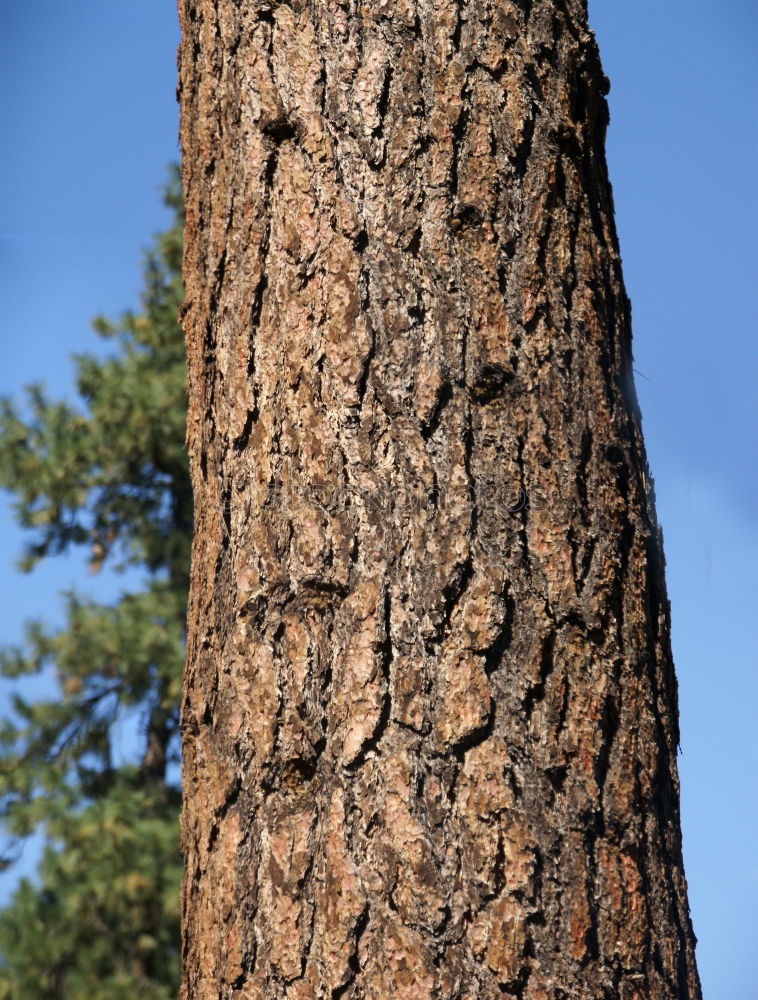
column 430, row 711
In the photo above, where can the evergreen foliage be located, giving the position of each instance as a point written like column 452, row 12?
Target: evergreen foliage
column 101, row 921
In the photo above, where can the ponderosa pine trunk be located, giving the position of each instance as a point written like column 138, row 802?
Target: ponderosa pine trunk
column 430, row 719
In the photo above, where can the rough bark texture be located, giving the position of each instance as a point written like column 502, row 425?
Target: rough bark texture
column 430, row 711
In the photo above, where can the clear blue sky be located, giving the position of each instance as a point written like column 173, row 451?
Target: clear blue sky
column 88, row 122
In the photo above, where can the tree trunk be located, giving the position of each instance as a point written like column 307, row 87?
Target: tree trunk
column 430, row 719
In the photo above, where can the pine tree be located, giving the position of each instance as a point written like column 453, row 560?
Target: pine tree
column 101, row 920
column 429, row 732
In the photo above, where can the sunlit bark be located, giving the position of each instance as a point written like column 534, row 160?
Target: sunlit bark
column 430, row 720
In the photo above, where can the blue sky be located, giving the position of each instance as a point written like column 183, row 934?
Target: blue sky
column 89, row 122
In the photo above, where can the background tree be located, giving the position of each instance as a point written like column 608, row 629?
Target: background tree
column 430, row 733
column 101, row 920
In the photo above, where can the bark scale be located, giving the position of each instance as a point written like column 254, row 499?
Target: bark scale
column 430, row 719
